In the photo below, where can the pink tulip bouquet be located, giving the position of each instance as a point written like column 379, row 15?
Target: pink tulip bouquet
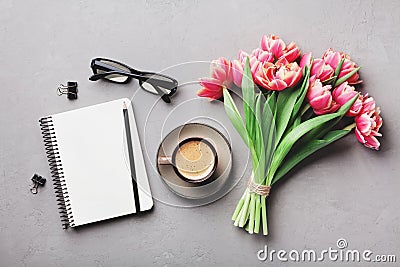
column 293, row 105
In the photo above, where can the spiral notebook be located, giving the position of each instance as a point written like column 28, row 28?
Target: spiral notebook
column 88, row 157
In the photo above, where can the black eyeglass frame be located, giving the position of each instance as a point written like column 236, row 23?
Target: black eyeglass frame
column 143, row 76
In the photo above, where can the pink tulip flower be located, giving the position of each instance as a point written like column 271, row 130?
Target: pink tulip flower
column 367, row 129
column 242, row 56
column 368, row 105
column 262, row 56
column 347, row 67
column 306, row 59
column 368, row 123
column 220, row 69
column 212, row 88
column 253, row 61
column 320, row 98
column 319, row 70
column 238, row 67
column 344, row 93
column 291, row 52
column 279, row 49
column 256, row 59
column 273, row 44
column 333, row 59
column 278, row 76
column 237, row 72
column 221, row 77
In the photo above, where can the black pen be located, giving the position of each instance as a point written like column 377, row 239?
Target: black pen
column 131, row 158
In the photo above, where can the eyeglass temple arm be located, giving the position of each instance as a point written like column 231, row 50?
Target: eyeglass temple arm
column 164, row 96
column 99, row 76
column 96, row 77
column 107, row 67
column 165, row 84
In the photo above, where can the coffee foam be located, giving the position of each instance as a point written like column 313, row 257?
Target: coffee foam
column 195, row 159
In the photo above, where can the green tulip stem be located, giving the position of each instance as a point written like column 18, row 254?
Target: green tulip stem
column 350, row 127
column 257, row 222
column 264, row 214
column 305, row 108
column 245, row 208
column 238, row 207
column 252, row 212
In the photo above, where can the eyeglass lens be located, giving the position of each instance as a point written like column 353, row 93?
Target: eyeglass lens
column 113, row 66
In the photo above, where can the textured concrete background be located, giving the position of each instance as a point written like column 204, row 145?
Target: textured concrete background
column 344, row 191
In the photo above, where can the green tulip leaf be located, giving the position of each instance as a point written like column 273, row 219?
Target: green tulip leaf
column 331, row 80
column 235, row 118
column 284, row 107
column 248, row 100
column 302, row 92
column 306, row 150
column 290, row 139
column 346, row 77
column 320, row 131
column 337, row 71
column 269, row 130
column 259, row 171
column 293, row 136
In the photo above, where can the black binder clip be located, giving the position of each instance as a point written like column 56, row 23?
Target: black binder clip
column 71, row 90
column 37, row 180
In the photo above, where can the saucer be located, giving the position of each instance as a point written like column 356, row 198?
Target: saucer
column 191, row 190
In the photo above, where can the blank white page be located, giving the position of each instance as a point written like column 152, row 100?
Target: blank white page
column 92, row 144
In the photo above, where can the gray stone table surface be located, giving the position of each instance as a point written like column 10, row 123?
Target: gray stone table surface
column 345, row 191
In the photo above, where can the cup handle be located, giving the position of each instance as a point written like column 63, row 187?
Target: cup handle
column 165, row 160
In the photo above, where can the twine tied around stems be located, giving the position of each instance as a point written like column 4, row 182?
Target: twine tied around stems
column 262, row 190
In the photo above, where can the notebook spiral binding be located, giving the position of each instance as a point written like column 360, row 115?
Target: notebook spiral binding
column 56, row 171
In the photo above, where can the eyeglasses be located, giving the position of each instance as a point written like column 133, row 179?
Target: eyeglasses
column 118, row 72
